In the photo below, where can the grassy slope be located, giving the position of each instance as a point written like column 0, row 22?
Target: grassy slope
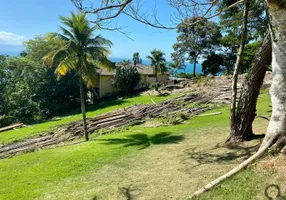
column 109, row 105
column 146, row 163
column 250, row 183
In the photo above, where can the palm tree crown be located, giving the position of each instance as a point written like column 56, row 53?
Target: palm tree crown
column 136, row 58
column 81, row 52
column 158, row 62
column 176, row 65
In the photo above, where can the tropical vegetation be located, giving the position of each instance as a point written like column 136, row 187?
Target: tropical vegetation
column 245, row 37
column 81, row 52
column 126, row 79
column 158, row 62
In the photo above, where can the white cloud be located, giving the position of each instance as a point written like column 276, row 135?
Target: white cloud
column 9, row 38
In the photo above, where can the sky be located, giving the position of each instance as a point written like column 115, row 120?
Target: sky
column 22, row 20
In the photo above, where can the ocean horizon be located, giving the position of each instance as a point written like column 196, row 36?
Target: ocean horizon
column 189, row 67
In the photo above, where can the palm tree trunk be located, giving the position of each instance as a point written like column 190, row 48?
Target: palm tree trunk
column 237, row 67
column 156, row 76
column 82, row 102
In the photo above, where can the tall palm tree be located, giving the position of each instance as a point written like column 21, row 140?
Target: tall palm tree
column 176, row 65
column 158, row 62
column 81, row 52
column 136, row 58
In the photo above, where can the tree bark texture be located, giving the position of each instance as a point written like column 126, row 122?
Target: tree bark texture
column 276, row 131
column 237, row 67
column 246, row 108
column 195, row 65
column 277, row 125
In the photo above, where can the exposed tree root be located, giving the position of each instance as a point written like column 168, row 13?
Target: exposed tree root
column 263, row 117
column 235, row 170
column 280, row 144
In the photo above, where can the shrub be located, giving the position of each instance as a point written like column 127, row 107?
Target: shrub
column 5, row 120
column 126, row 79
column 185, row 75
column 155, row 85
column 183, row 116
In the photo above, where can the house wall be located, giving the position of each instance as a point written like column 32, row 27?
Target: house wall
column 150, row 79
column 105, row 86
column 163, row 77
column 106, row 89
column 142, row 83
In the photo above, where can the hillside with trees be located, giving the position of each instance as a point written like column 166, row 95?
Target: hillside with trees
column 215, row 135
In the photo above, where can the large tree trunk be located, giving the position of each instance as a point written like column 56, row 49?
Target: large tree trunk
column 277, row 125
column 82, row 102
column 276, row 131
column 237, row 67
column 246, row 108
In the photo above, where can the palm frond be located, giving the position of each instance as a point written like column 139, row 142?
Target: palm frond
column 97, row 52
column 104, row 63
column 59, row 36
column 81, row 52
column 89, row 74
column 68, row 35
column 64, row 67
column 66, row 21
column 100, row 41
column 56, row 56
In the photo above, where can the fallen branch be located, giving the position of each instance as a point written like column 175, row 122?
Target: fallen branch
column 262, row 117
column 153, row 101
column 209, row 114
column 18, row 125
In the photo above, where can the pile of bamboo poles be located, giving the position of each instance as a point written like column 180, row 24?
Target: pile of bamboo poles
column 189, row 104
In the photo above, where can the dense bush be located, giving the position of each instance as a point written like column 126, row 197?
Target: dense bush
column 126, row 79
column 31, row 92
column 155, row 85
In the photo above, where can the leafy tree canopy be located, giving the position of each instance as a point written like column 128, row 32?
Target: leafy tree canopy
column 199, row 38
column 213, row 64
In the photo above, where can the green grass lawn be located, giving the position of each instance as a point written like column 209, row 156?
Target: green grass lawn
column 167, row 162
column 103, row 107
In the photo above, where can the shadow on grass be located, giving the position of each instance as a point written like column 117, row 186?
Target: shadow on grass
column 143, row 140
column 234, row 152
column 124, row 191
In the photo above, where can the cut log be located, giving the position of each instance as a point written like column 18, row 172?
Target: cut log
column 209, row 114
column 18, row 125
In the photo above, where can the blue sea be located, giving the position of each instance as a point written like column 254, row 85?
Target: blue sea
column 189, row 68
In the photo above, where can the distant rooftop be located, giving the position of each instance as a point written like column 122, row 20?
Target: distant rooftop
column 142, row 69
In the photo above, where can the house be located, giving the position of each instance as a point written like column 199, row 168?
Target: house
column 147, row 74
